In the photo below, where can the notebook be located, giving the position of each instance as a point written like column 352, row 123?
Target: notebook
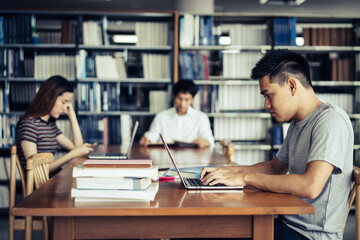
column 115, row 155
column 194, row 183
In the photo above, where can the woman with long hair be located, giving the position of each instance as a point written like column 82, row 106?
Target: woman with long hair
column 37, row 132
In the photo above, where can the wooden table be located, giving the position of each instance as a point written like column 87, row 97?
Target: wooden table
column 175, row 212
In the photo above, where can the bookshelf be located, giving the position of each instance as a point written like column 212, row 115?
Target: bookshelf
column 122, row 65
column 208, row 55
column 220, row 65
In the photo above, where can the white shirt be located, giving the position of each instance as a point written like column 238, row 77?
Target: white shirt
column 185, row 128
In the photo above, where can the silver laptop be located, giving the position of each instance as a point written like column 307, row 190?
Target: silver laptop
column 115, row 155
column 195, row 183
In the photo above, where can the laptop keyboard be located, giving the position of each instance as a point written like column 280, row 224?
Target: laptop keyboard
column 194, row 182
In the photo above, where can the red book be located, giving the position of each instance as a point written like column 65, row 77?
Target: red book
column 129, row 163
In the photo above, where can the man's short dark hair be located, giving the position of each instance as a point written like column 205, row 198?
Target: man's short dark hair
column 282, row 64
column 185, row 86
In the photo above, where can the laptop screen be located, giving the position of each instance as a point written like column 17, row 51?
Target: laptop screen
column 171, row 157
column 132, row 137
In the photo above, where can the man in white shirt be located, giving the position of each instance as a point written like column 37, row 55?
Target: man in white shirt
column 181, row 123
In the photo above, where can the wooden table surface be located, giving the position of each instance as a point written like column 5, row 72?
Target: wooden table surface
column 173, row 213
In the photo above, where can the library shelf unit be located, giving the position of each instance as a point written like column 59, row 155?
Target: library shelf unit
column 121, row 64
column 206, row 55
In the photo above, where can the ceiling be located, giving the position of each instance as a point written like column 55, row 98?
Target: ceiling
column 339, row 8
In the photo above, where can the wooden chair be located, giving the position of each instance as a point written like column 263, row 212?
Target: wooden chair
column 355, row 194
column 38, row 173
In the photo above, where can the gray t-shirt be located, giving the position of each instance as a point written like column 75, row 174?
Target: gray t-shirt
column 327, row 135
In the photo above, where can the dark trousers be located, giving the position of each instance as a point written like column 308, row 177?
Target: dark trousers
column 284, row 232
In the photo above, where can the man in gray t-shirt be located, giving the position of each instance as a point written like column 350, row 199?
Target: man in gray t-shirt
column 316, row 159
column 326, row 134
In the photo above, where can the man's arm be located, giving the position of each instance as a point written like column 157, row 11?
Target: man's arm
column 271, row 176
column 307, row 185
column 274, row 166
column 152, row 135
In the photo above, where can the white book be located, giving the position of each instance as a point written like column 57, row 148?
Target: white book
column 158, row 100
column 148, row 194
column 80, row 171
column 82, row 201
column 124, row 183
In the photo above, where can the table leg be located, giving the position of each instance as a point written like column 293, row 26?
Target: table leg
column 263, row 227
column 63, row 228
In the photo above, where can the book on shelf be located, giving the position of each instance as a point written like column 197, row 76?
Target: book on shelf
column 240, row 128
column 157, row 101
column 187, row 172
column 152, row 34
column 128, row 163
column 81, row 171
column 332, row 34
column 92, row 34
column 196, row 30
column 285, row 31
column 156, row 66
column 124, row 183
column 130, row 195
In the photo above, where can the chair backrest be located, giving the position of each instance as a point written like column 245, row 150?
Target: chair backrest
column 37, row 173
column 37, row 167
column 354, row 195
column 15, row 164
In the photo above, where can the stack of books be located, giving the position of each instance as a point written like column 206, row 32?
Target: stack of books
column 115, row 180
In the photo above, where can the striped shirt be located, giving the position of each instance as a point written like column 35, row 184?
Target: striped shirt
column 38, row 131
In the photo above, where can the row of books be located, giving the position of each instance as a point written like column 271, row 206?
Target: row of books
column 95, row 65
column 92, row 33
column 328, row 34
column 332, row 66
column 284, row 31
column 16, row 29
column 98, row 97
column 115, row 180
column 197, row 30
column 158, row 101
column 148, row 34
column 106, row 130
column 26, row 28
column 241, row 129
column 250, row 156
column 342, row 100
column 11, row 63
column 206, row 99
column 193, row 66
column 14, row 63
column 4, row 196
column 247, row 34
column 356, row 125
column 342, row 69
column 152, row 34
column 4, row 100
column 21, row 95
column 5, row 169
column 239, row 97
column 7, row 130
column 53, row 31
column 49, row 65
column 239, row 64
column 156, row 66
